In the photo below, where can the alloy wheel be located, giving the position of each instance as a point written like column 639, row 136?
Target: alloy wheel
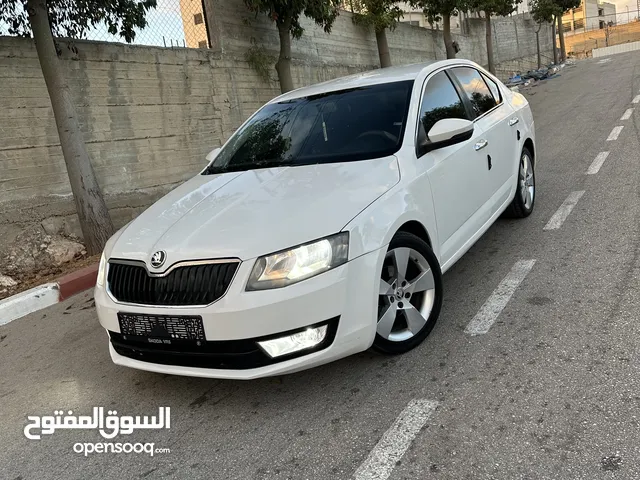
column 526, row 180
column 406, row 296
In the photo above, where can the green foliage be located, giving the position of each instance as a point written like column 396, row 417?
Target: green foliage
column 288, row 12
column 494, row 7
column 435, row 10
column 567, row 5
column 379, row 14
column 72, row 18
column 258, row 58
column 545, row 10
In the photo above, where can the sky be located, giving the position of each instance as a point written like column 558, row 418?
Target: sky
column 164, row 27
column 621, row 9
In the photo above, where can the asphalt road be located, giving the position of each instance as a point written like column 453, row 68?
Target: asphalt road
column 552, row 390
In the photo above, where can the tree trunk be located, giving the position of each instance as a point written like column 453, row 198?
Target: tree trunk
column 383, row 49
column 563, row 51
column 487, row 20
column 446, row 33
column 538, row 47
column 92, row 211
column 283, row 65
column 555, row 47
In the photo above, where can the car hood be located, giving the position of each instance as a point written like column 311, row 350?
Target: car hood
column 256, row 212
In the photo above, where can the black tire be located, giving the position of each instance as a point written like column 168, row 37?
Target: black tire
column 518, row 207
column 408, row 240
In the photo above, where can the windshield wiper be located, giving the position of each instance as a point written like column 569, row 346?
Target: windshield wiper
column 213, row 169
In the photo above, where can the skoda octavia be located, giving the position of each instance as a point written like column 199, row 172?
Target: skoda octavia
column 322, row 227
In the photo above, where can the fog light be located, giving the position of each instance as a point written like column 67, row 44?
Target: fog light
column 308, row 338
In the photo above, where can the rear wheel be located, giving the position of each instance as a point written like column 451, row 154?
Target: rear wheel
column 410, row 295
column 522, row 204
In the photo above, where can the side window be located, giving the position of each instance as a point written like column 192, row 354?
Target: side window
column 476, row 89
column 440, row 100
column 493, row 86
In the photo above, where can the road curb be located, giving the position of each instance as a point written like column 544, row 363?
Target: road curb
column 78, row 281
column 43, row 296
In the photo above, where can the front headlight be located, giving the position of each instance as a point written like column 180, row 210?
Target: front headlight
column 299, row 263
column 102, row 271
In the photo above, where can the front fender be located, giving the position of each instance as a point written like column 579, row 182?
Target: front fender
column 376, row 225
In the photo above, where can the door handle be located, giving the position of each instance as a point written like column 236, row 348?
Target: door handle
column 513, row 121
column 480, row 144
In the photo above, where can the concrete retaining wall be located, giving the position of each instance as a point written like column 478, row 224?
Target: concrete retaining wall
column 622, row 48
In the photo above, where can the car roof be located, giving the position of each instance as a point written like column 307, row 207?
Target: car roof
column 373, row 77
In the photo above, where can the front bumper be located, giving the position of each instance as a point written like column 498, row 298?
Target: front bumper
column 346, row 295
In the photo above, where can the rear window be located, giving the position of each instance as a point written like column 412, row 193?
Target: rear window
column 347, row 125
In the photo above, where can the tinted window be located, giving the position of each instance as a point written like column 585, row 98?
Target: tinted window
column 476, row 89
column 493, row 86
column 440, row 100
column 347, row 125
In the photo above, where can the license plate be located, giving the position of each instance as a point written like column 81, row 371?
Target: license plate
column 161, row 328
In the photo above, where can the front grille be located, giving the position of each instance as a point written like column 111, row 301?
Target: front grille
column 187, row 285
column 232, row 354
column 220, row 354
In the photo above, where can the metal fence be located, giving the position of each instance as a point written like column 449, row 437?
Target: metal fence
column 173, row 23
column 584, row 33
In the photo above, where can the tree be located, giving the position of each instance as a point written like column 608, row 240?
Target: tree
column 436, row 10
column 565, row 6
column 286, row 15
column 493, row 7
column 553, row 37
column 544, row 11
column 44, row 19
column 381, row 15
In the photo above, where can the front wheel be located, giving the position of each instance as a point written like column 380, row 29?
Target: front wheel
column 410, row 295
column 522, row 204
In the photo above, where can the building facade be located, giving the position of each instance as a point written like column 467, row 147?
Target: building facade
column 415, row 16
column 193, row 22
column 590, row 15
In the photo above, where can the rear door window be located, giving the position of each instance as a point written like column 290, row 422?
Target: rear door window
column 476, row 89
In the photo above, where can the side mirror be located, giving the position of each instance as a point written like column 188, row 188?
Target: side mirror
column 451, row 129
column 212, row 154
column 446, row 132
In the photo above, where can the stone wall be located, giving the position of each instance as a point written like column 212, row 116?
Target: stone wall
column 150, row 115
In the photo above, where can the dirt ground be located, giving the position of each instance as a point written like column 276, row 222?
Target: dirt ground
column 46, row 276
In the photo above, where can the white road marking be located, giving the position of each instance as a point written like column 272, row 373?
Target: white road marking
column 558, row 218
column 597, row 163
column 604, row 60
column 396, row 441
column 614, row 133
column 627, row 114
column 489, row 312
column 636, row 99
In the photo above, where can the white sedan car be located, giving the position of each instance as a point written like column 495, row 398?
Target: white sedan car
column 322, row 227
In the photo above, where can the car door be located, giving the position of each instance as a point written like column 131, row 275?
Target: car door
column 493, row 116
column 457, row 173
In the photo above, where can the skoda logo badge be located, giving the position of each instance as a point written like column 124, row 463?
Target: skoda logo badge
column 158, row 258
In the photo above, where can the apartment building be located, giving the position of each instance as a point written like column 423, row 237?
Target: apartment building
column 193, row 22
column 590, row 15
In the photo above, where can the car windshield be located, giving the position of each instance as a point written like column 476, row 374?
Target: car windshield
column 342, row 126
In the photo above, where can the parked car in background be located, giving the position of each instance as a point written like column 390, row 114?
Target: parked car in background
column 322, row 227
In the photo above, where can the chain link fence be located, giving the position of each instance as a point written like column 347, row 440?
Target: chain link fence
column 173, row 23
column 584, row 33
